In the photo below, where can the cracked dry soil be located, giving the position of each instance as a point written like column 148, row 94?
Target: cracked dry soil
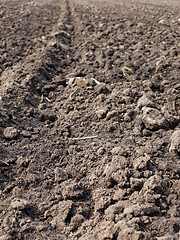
column 89, row 120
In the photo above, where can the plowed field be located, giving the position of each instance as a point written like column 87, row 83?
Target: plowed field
column 89, row 120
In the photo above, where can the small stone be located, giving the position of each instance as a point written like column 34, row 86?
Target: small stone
column 128, row 100
column 69, row 27
column 57, row 223
column 147, row 173
column 175, row 142
column 51, row 43
column 127, row 118
column 147, row 210
column 173, row 211
column 26, row 141
column 10, row 133
column 101, row 113
column 153, row 119
column 41, row 227
column 62, row 208
column 119, row 162
column 162, row 21
column 146, row 132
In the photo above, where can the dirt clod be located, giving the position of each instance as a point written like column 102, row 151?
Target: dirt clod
column 153, row 119
column 175, row 142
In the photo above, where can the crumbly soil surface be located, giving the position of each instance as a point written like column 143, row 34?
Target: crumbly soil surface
column 89, row 120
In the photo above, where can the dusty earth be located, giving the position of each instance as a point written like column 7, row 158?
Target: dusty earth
column 89, row 120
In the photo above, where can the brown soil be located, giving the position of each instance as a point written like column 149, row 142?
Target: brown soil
column 89, row 120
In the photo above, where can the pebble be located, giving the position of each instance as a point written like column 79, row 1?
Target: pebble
column 101, row 113
column 10, row 133
column 146, row 132
column 162, row 21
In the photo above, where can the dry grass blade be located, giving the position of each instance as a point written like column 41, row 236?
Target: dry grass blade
column 84, row 138
column 3, row 164
column 126, row 71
